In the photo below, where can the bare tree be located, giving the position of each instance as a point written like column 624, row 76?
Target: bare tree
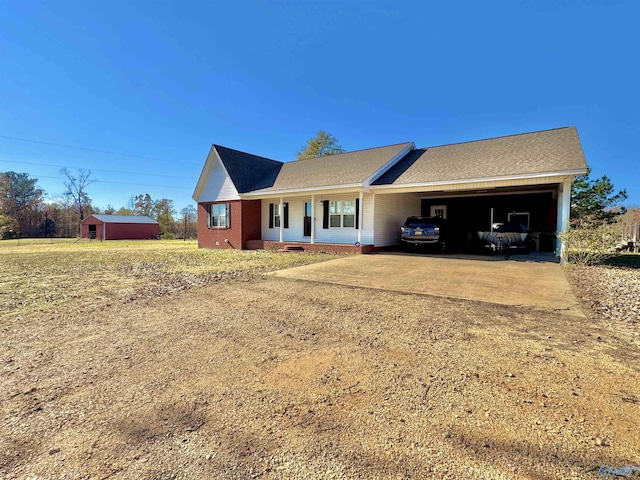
column 76, row 189
column 189, row 215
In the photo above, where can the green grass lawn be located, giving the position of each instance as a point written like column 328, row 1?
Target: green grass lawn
column 43, row 276
column 624, row 260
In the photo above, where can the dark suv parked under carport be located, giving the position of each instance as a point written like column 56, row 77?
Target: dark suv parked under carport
column 423, row 231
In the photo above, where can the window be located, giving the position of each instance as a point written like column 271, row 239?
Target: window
column 342, row 213
column 522, row 218
column 218, row 215
column 276, row 216
column 439, row 211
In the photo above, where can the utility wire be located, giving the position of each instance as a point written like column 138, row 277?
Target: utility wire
column 125, row 183
column 84, row 148
column 95, row 169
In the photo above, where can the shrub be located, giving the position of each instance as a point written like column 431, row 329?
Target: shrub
column 167, row 236
column 588, row 243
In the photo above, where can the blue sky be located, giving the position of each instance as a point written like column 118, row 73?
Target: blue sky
column 142, row 89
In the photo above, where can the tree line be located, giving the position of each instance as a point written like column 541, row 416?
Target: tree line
column 25, row 210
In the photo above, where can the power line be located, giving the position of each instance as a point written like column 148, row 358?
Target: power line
column 94, row 169
column 125, row 183
column 84, row 148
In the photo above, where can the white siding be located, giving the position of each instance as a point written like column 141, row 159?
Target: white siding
column 367, row 219
column 295, row 231
column 296, row 220
column 218, row 186
column 391, row 210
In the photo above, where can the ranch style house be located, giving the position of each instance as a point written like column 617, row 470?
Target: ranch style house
column 357, row 201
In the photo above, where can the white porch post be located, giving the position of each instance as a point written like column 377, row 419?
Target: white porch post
column 281, row 211
column 313, row 218
column 359, row 213
column 564, row 212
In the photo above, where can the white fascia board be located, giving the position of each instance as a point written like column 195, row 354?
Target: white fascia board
column 204, row 174
column 471, row 181
column 304, row 191
column 389, row 164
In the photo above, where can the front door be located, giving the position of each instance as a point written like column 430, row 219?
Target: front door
column 307, row 219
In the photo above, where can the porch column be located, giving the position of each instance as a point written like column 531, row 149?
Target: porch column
column 359, row 213
column 313, row 219
column 281, row 211
column 564, row 212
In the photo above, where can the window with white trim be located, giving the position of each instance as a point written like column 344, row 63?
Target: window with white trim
column 276, row 215
column 342, row 213
column 439, row 211
column 218, row 215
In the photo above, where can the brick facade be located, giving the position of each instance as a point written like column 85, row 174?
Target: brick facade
column 244, row 226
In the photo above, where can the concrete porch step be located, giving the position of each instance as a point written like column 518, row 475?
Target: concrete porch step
column 291, row 248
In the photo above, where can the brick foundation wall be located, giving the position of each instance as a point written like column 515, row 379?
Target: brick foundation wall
column 254, row 245
column 320, row 247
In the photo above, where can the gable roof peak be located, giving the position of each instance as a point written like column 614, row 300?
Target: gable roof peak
column 247, row 171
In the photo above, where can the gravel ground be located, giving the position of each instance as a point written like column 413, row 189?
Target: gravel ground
column 271, row 378
column 611, row 293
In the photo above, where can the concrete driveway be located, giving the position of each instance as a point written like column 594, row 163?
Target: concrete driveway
column 521, row 281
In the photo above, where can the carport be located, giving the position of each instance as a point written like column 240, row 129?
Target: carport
column 467, row 213
column 522, row 178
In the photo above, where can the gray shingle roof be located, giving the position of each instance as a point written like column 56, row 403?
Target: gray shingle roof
column 342, row 169
column 557, row 150
column 124, row 218
column 248, row 172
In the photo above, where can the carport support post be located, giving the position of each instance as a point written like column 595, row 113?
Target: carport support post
column 313, row 218
column 564, row 211
column 281, row 211
column 359, row 213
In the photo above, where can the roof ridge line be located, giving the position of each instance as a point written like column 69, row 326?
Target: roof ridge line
column 352, row 151
column 215, row 145
column 496, row 138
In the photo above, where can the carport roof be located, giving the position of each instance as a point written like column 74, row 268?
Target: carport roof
column 547, row 151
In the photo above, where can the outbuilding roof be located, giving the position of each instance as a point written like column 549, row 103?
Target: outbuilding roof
column 546, row 151
column 123, row 218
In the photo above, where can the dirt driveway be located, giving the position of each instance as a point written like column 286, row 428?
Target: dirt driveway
column 538, row 284
column 276, row 378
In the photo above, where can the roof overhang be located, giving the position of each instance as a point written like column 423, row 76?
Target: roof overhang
column 481, row 183
column 298, row 192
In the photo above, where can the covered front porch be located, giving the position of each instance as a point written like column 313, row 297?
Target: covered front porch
column 335, row 221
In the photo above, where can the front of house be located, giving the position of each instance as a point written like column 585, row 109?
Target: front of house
column 357, row 201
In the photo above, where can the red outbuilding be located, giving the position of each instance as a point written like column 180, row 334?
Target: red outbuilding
column 119, row 227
